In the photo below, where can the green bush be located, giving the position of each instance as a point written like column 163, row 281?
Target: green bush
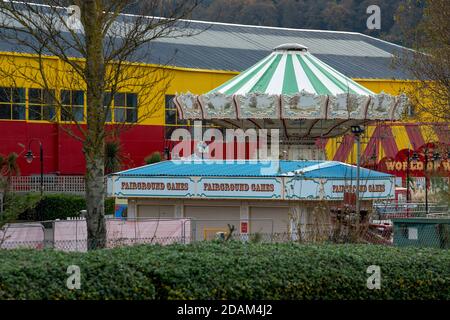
column 61, row 206
column 110, row 206
column 153, row 158
column 228, row 270
column 15, row 204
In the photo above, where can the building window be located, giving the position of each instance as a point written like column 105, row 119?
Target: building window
column 107, row 105
column 411, row 111
column 12, row 103
column 41, row 104
column 72, row 105
column 172, row 117
column 125, row 107
column 173, row 121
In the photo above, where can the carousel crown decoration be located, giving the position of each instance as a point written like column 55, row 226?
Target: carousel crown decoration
column 292, row 84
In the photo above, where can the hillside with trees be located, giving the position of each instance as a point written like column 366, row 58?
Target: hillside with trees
column 342, row 15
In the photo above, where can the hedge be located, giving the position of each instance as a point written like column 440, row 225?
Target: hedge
column 228, row 270
column 61, row 206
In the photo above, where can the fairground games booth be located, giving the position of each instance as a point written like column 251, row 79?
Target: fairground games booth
column 267, row 197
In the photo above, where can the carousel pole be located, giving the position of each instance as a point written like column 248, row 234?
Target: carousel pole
column 358, row 164
column 358, row 131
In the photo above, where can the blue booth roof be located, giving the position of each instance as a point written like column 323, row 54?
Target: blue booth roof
column 252, row 168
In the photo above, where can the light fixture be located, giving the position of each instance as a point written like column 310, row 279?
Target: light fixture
column 357, row 129
column 29, row 156
column 167, row 153
column 374, row 157
column 436, row 156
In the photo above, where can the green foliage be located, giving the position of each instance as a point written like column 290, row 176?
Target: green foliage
column 8, row 168
column 153, row 158
column 349, row 15
column 256, row 237
column 15, row 205
column 113, row 156
column 444, row 235
column 228, row 270
column 60, row 206
column 8, row 165
column 34, row 275
column 110, row 206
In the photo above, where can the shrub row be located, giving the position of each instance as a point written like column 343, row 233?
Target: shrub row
column 61, row 206
column 228, row 270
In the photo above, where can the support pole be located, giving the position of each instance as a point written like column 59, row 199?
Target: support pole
column 358, row 164
column 358, row 131
column 426, row 181
column 408, row 163
column 41, row 158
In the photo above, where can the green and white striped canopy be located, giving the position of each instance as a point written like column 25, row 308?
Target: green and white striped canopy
column 292, row 84
column 289, row 70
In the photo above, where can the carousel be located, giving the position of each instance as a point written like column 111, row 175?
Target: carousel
column 294, row 91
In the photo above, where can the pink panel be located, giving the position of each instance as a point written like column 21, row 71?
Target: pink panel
column 168, row 231
column 70, row 235
column 22, row 235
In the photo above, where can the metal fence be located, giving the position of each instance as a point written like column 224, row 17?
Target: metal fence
column 410, row 209
column 51, row 184
column 208, row 229
column 71, row 235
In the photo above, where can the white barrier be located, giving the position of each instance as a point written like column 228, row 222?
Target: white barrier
column 162, row 231
column 71, row 235
column 51, row 184
column 22, row 235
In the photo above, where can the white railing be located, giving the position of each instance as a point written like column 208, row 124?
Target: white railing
column 51, row 184
column 410, row 209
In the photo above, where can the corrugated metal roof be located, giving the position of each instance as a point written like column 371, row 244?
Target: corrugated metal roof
column 237, row 47
column 205, row 168
column 219, row 46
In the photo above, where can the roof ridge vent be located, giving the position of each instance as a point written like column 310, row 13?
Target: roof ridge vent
column 291, row 47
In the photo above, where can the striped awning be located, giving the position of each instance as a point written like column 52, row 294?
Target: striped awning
column 292, row 84
column 288, row 71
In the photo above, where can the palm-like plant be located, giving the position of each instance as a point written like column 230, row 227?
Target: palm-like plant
column 8, row 168
column 113, row 156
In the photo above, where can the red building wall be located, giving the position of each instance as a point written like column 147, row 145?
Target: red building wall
column 63, row 153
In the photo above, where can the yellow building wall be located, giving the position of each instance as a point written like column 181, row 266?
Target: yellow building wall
column 393, row 87
column 151, row 82
column 24, row 71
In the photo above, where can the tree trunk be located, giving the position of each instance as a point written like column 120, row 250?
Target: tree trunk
column 95, row 196
column 94, row 144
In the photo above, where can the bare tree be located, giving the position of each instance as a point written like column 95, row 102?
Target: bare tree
column 429, row 64
column 98, row 47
